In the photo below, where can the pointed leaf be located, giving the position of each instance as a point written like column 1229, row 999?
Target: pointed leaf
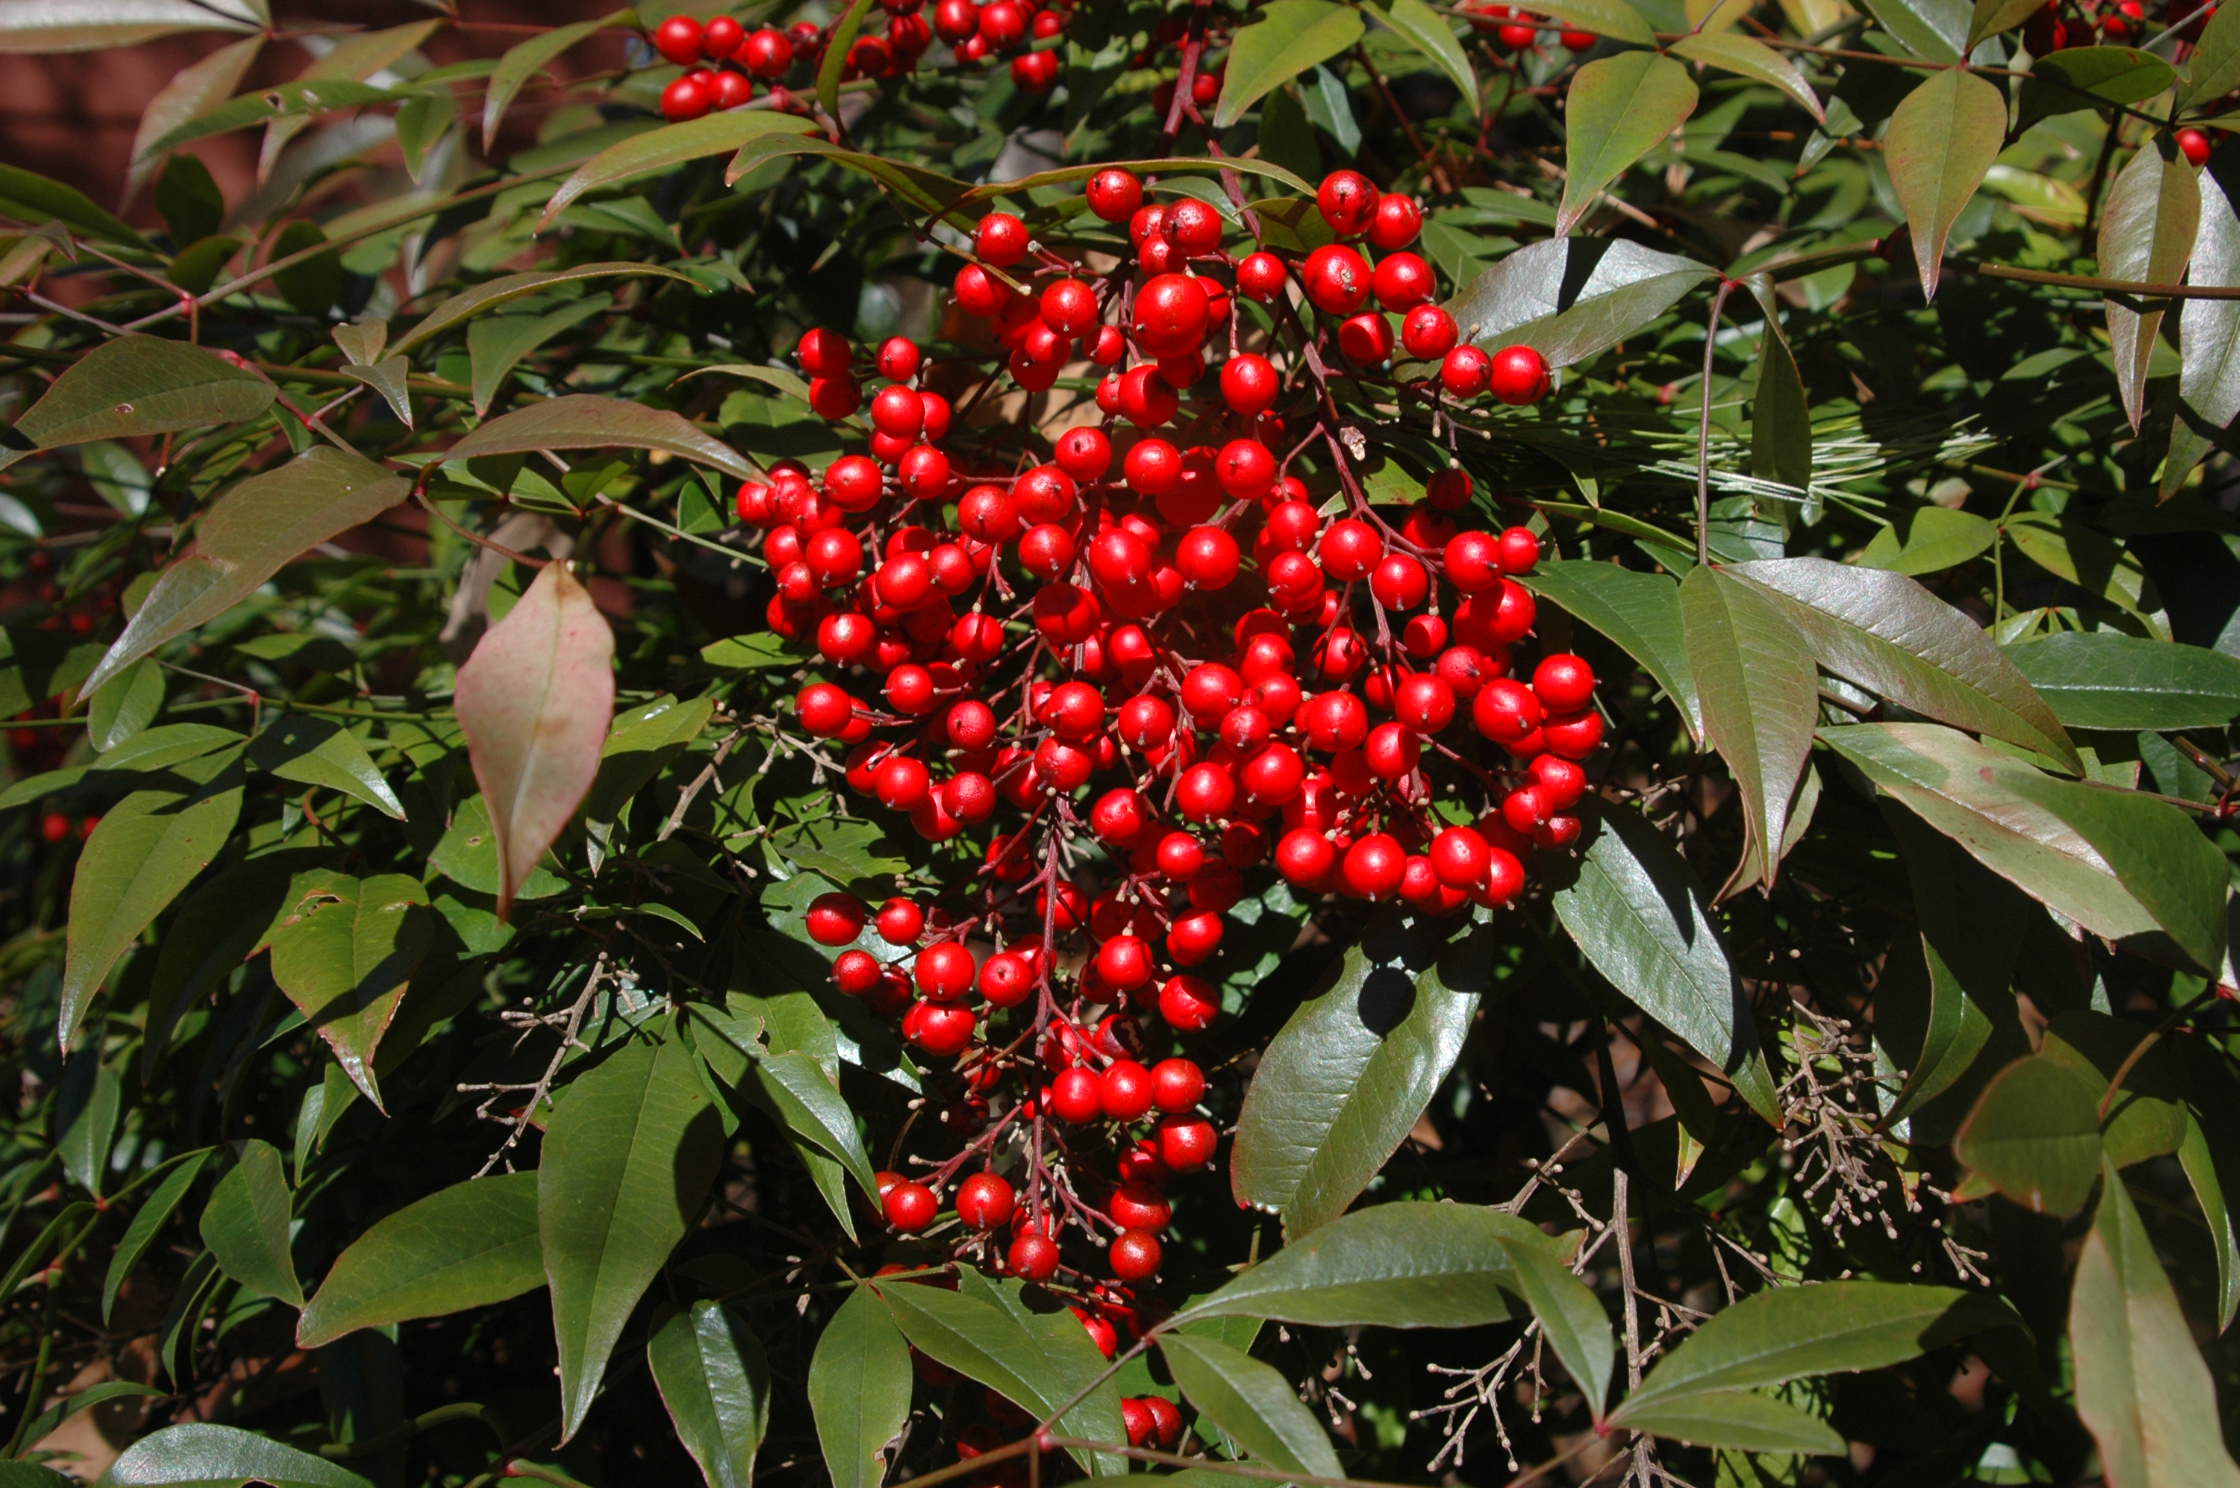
column 148, row 1222
column 1760, row 704
column 1747, row 57
column 246, row 1224
column 1569, row 298
column 1339, row 1089
column 859, row 1390
column 87, row 25
column 534, row 701
column 312, row 751
column 1618, row 109
column 523, row 61
column 2034, row 1135
column 1931, row 539
column 30, row 197
column 1639, row 612
column 471, row 1245
column 1739, row 1420
column 250, row 533
column 833, row 64
column 1933, row 29
column 496, row 344
column 1637, row 913
column 147, row 848
column 628, row 1157
column 1617, row 19
column 2105, row 680
column 2208, row 337
column 343, row 952
column 2087, row 77
column 813, row 1107
column 2142, row 1388
column 1887, row 633
column 668, row 146
column 1251, row 1403
column 203, row 1454
column 1289, row 39
column 1427, row 31
column 1991, row 17
column 119, row 713
column 137, row 385
column 2214, row 70
column 1942, row 142
column 588, row 421
column 1780, row 414
column 1972, row 924
column 715, row 1381
column 2147, row 226
column 472, row 302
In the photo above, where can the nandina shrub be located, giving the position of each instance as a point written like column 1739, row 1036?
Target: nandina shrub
column 1291, row 742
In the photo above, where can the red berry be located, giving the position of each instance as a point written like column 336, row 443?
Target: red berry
column 1176, row 1084
column 1428, row 332
column 54, row 827
column 985, row 1200
column 909, row 1207
column 1076, row 1095
column 1402, row 281
column 1135, row 1254
column 677, row 39
column 720, row 37
column 1033, row 1257
column 1347, row 201
column 1125, row 1091
column 1336, row 279
column 1188, row 1003
column 835, row 919
column 1139, row 1206
column 2194, row 145
column 686, row 98
column 1114, row 194
column 1397, row 221
column 1186, row 1143
column 1564, row 682
column 1519, row 375
column 1465, row 372
column 1261, row 276
column 856, row 973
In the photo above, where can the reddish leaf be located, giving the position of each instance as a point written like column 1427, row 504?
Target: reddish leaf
column 535, row 700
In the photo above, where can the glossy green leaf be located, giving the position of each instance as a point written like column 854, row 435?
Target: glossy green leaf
column 832, row 66
column 251, row 532
column 1887, row 633
column 343, row 951
column 491, row 293
column 2148, row 222
column 1760, row 704
column 813, row 1108
column 2142, row 1388
column 283, row 107
column 2106, row 680
column 525, row 59
column 2117, row 862
column 311, row 751
column 1617, row 110
column 2034, row 1135
column 470, row 1245
column 2208, row 337
column 1990, row 17
column 2207, row 1166
column 2214, row 69
column 1780, row 413
column 1427, row 31
column 1928, row 539
column 589, row 421
column 2087, row 77
column 1794, row 1332
column 27, row 196
column 192, row 90
column 136, row 385
column 1740, row 1420
column 203, row 1454
column 1288, row 39
column 627, row 1160
column 85, row 1120
column 148, row 848
column 859, row 1390
column 1971, row 926
column 1036, row 1360
column 1569, row 298
column 122, row 711
column 1637, row 912
column 1340, row 1087
column 497, row 343
column 1942, row 142
column 87, row 25
column 1639, row 612
column 148, row 1222
column 535, row 700
column 1936, row 30
column 1616, row 19
column 668, row 146
column 247, row 1221
column 1748, row 57
column 715, row 1381
column 1251, row 1403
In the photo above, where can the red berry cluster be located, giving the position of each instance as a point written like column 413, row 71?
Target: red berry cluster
column 2059, row 26
column 1140, row 671
column 1518, row 30
column 723, row 60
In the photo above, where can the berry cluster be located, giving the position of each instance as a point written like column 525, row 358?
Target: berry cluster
column 724, row 60
column 2059, row 26
column 1518, row 30
column 1141, row 670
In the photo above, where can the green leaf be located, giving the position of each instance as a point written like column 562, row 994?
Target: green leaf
column 85, row 1120
column 2208, row 334
column 1942, row 142
column 246, row 1224
column 1289, row 39
column 588, row 421
column 1888, row 634
column 2215, row 68
column 1617, row 110
column 669, row 146
column 2142, row 1388
column 283, row 106
column 471, row 1245
column 2105, row 680
column 1928, row 539
column 191, row 91
column 1936, row 30
column 2198, row 1155
column 1737, row 1419
column 388, row 378
column 121, row 712
column 1637, row 912
column 148, row 1222
column 1830, row 1327
column 535, row 700
column 250, row 533
column 2087, row 77
column 1760, row 703
column 496, row 344
column 859, row 1390
column 148, row 848
column 1780, row 413
column 812, row 1107
column 1639, row 612
column 1252, row 1404
column 631, row 1150
column 2117, row 862
column 1035, row 1360
column 833, row 65
column 1616, row 19
column 1340, row 1087
column 1747, row 57
column 488, row 295
column 136, row 385
column 1427, row 31
column 715, row 1381
column 2034, row 1135
column 88, row 25
column 343, row 952
column 522, row 62
column 2091, row 560
column 1990, row 17
column 312, row 751
column 1569, row 298
column 202, row 1454
column 28, row 196
column 2148, row 222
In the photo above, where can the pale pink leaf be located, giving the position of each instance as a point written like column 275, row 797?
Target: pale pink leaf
column 535, row 700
